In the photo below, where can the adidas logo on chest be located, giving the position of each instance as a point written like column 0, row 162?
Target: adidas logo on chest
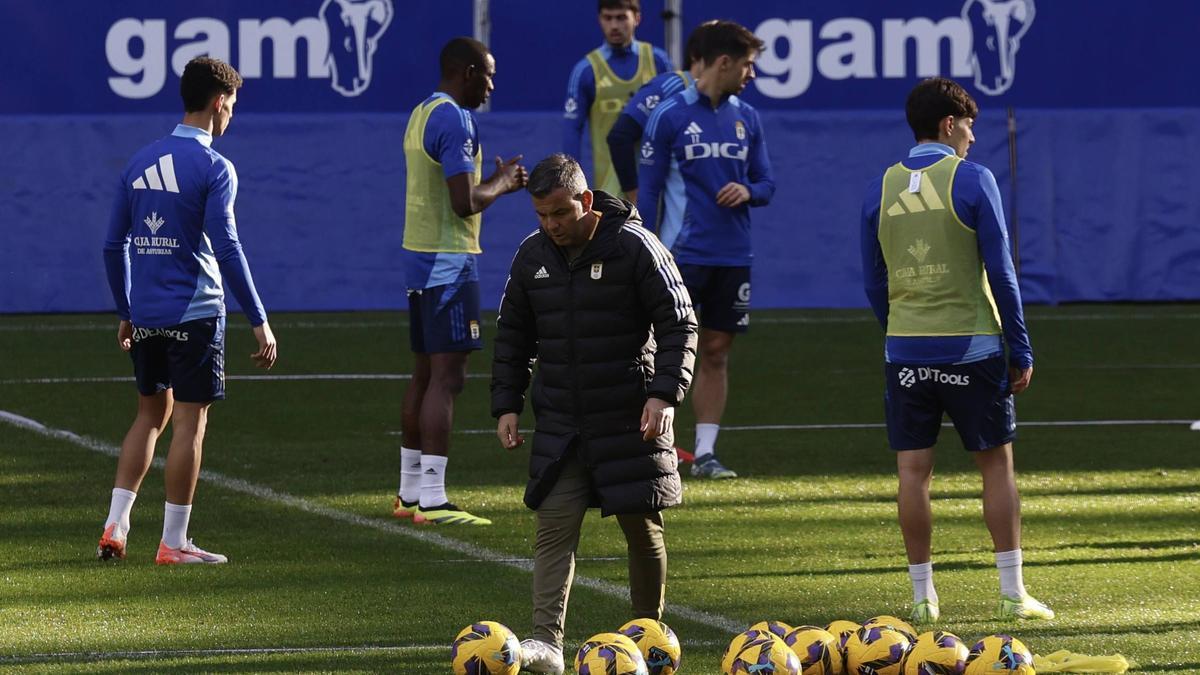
column 541, row 273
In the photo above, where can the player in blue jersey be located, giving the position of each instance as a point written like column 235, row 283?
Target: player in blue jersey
column 705, row 158
column 626, row 133
column 171, row 248
column 602, row 83
column 443, row 200
column 938, row 272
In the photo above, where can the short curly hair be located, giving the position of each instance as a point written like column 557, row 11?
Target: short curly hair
column 205, row 77
column 931, row 101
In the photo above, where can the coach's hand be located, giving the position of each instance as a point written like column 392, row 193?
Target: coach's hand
column 1020, row 378
column 267, row 350
column 507, row 431
column 733, row 194
column 513, row 174
column 125, row 335
column 657, row 418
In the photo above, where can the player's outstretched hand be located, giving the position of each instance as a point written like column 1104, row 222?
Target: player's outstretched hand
column 125, row 335
column 512, row 173
column 733, row 194
column 657, row 418
column 506, row 430
column 267, row 349
column 1020, row 378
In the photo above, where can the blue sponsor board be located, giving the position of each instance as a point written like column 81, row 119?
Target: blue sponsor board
column 381, row 55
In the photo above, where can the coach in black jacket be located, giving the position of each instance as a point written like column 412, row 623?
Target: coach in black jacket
column 598, row 302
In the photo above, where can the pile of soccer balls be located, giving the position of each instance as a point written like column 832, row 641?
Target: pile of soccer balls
column 883, row 645
column 640, row 647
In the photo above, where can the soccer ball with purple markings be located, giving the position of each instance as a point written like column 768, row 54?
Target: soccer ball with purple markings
column 817, row 650
column 876, row 650
column 658, row 644
column 485, row 648
column 765, row 657
column 777, row 628
column 895, row 623
column 610, row 654
column 936, row 653
column 1000, row 655
column 740, row 642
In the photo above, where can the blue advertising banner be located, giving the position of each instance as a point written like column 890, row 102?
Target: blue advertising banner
column 381, row 55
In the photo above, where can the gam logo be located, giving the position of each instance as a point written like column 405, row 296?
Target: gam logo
column 339, row 45
column 982, row 43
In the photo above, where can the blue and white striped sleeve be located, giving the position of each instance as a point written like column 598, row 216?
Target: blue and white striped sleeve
column 116, row 250
column 654, row 164
column 581, row 91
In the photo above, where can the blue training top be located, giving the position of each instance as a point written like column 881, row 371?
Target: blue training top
column 977, row 203
column 708, row 148
column 626, row 133
column 581, row 88
column 172, row 238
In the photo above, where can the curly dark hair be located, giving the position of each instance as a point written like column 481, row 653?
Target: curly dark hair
column 932, row 100
column 205, row 77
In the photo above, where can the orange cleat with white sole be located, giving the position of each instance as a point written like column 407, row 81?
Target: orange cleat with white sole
column 188, row 555
column 112, row 544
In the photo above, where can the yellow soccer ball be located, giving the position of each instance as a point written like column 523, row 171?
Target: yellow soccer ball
column 876, row 649
column 1000, row 655
column 895, row 623
column 766, row 657
column 610, row 654
column 658, row 644
column 485, row 648
column 740, row 642
column 936, row 653
column 777, row 628
column 817, row 650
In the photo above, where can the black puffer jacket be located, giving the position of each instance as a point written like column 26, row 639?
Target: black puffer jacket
column 608, row 330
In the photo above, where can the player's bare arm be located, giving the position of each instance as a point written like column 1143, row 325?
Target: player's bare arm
column 468, row 199
column 267, row 349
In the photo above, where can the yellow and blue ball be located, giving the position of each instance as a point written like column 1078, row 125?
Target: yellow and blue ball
column 876, row 649
column 817, row 650
column 895, row 623
column 610, row 654
column 937, row 653
column 658, row 644
column 1000, row 655
column 766, row 657
column 740, row 642
column 485, row 648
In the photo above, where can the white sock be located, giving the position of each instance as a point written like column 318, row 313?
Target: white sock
column 119, row 508
column 922, row 582
column 433, row 481
column 410, row 475
column 1009, row 564
column 175, row 524
column 706, row 439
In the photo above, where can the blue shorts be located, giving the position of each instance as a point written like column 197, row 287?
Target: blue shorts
column 188, row 358
column 721, row 296
column 445, row 319
column 976, row 397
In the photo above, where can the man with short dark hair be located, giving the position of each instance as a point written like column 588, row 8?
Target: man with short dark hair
column 172, row 246
column 602, row 82
column 938, row 271
column 705, row 156
column 597, row 302
column 444, row 198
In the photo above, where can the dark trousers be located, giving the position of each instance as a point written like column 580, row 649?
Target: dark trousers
column 559, row 518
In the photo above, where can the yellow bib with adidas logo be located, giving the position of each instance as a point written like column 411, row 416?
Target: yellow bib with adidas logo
column 430, row 223
column 936, row 280
column 612, row 93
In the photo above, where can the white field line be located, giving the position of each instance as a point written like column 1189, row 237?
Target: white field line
column 32, row 326
column 439, row 540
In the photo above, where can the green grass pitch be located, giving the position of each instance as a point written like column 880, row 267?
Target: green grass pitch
column 322, row 579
